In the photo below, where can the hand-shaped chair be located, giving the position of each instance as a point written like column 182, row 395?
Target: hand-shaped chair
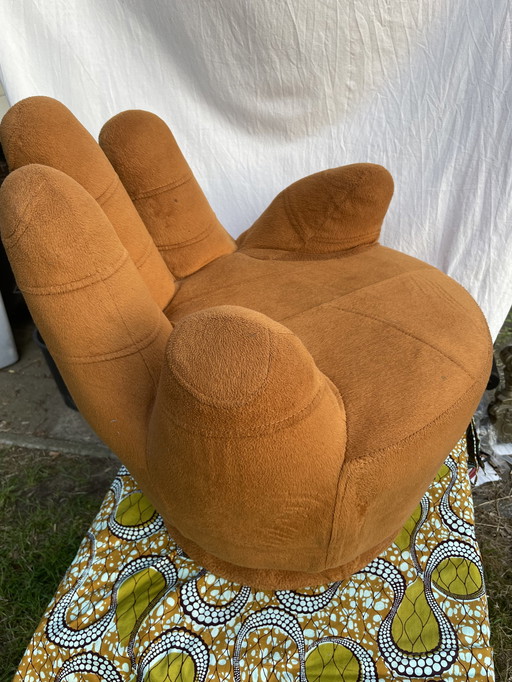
column 283, row 400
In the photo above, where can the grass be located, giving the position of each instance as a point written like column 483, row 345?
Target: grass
column 493, row 516
column 47, row 501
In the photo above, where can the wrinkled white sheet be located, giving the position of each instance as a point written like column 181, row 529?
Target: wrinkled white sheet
column 262, row 92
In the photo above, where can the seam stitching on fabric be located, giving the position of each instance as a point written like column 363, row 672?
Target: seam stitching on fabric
column 264, row 429
column 109, row 191
column 15, row 236
column 78, row 284
column 155, row 191
column 341, row 486
column 387, row 323
column 310, row 255
column 293, row 220
column 113, row 355
column 214, row 403
column 370, row 236
column 331, row 302
column 339, row 481
column 188, row 242
column 145, row 256
column 402, row 441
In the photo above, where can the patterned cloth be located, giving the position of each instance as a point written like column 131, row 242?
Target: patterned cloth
column 133, row 606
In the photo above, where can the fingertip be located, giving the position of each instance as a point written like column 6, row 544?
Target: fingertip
column 20, row 191
column 143, row 150
column 147, row 158
column 53, row 230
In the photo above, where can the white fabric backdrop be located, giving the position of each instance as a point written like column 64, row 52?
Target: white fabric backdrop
column 262, row 92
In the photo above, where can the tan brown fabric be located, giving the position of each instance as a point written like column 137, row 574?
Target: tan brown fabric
column 164, row 190
column 274, row 422
column 42, row 130
column 291, row 405
column 325, row 213
column 90, row 304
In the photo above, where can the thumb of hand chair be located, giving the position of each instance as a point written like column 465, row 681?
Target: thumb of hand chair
column 246, row 443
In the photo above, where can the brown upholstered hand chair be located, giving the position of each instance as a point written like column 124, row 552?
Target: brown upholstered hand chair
column 285, row 400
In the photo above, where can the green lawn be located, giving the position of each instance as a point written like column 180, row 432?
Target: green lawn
column 47, row 502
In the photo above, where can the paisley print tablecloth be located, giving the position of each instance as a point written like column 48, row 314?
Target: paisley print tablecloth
column 133, row 606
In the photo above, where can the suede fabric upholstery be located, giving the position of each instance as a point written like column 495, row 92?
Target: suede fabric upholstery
column 42, row 130
column 283, row 402
column 164, row 191
column 325, row 213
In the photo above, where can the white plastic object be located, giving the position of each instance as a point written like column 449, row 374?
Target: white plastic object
column 8, row 352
